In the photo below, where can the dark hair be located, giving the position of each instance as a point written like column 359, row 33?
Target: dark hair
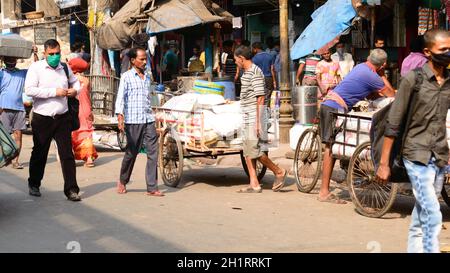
column 52, row 43
column 257, row 45
column 197, row 47
column 132, row 54
column 430, row 36
column 228, row 43
column 379, row 38
column 270, row 41
column 246, row 43
column 417, row 44
column 243, row 51
column 76, row 46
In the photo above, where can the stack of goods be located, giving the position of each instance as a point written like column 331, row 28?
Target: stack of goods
column 203, row 118
column 349, row 137
column 12, row 45
column 205, row 87
column 353, row 135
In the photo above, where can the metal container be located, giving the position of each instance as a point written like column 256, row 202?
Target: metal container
column 304, row 102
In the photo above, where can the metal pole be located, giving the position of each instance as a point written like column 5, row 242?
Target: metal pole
column 372, row 26
column 286, row 119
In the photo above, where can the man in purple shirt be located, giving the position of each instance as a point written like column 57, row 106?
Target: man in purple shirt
column 416, row 58
column 362, row 81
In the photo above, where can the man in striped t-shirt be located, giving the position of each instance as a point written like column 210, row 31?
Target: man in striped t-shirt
column 252, row 107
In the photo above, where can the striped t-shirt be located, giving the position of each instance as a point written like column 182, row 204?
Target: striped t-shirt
column 310, row 62
column 252, row 86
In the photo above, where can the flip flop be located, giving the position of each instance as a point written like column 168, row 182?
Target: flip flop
column 331, row 198
column 17, row 165
column 155, row 193
column 89, row 165
column 279, row 182
column 250, row 190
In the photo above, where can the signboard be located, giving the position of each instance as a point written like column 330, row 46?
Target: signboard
column 41, row 35
column 64, row 4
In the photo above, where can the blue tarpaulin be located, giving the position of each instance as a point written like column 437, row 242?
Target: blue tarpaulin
column 329, row 21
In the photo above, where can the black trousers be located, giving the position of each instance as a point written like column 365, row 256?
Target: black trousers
column 44, row 130
column 136, row 135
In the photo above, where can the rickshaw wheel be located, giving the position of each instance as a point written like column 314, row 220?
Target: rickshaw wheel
column 122, row 140
column 446, row 191
column 260, row 168
column 170, row 158
column 370, row 198
column 308, row 160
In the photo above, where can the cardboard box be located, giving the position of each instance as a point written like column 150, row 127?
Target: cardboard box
column 13, row 45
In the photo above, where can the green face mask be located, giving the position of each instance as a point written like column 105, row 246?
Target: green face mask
column 53, row 60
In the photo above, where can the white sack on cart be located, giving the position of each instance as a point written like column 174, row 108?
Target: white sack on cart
column 352, row 124
column 233, row 107
column 224, row 125
column 207, row 101
column 380, row 103
column 351, row 137
column 185, row 102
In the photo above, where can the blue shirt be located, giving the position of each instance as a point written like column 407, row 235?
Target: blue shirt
column 133, row 98
column 357, row 85
column 11, row 89
column 264, row 61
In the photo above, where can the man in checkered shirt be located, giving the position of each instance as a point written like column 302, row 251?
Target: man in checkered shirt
column 135, row 116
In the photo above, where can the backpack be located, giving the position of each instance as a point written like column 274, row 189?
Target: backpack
column 8, row 147
column 379, row 121
column 73, row 104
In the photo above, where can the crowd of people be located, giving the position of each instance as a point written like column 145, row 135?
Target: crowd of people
column 51, row 83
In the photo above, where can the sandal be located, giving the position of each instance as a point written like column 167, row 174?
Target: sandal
column 250, row 190
column 89, row 165
column 279, row 182
column 17, row 165
column 121, row 188
column 155, row 193
column 331, row 198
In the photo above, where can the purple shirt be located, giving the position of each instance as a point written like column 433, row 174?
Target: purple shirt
column 413, row 60
column 357, row 85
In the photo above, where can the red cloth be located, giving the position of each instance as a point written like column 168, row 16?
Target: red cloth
column 78, row 65
column 82, row 144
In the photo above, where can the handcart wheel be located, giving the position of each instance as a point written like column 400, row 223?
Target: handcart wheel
column 122, row 140
column 370, row 198
column 170, row 158
column 260, row 168
column 308, row 160
column 446, row 190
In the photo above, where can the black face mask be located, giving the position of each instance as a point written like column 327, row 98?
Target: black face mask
column 10, row 66
column 442, row 59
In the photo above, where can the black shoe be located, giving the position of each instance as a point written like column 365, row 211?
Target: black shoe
column 73, row 196
column 34, row 191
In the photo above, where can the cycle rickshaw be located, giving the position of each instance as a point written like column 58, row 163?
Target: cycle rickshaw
column 353, row 150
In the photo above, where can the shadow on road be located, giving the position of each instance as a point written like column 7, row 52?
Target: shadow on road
column 53, row 224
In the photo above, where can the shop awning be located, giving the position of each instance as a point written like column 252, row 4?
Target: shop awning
column 329, row 22
column 116, row 33
column 175, row 14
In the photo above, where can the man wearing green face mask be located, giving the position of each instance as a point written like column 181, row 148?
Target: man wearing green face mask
column 49, row 86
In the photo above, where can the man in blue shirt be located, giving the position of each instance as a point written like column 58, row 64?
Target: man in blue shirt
column 133, row 108
column 12, row 116
column 365, row 79
column 265, row 61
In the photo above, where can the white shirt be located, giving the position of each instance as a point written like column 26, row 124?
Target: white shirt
column 346, row 65
column 41, row 84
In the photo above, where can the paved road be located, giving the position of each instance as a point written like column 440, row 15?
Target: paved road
column 203, row 215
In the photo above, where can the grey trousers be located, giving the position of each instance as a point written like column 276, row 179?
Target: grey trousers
column 136, row 135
